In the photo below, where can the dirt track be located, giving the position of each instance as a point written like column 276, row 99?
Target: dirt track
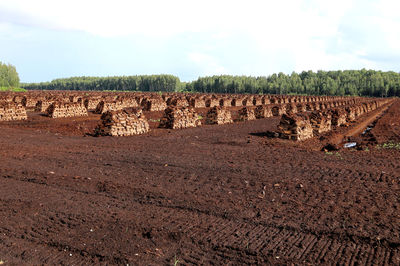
column 208, row 195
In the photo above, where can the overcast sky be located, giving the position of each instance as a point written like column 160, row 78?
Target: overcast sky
column 47, row 39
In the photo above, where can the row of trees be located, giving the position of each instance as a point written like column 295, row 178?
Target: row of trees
column 8, row 76
column 350, row 82
column 122, row 83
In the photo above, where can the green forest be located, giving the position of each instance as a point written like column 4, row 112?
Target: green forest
column 349, row 82
column 8, row 76
column 168, row 83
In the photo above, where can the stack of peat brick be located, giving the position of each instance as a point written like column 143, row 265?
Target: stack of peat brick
column 301, row 108
column 12, row 111
column 6, row 97
column 278, row 110
column 212, row 102
column 218, row 116
column 74, row 98
column 177, row 118
column 197, row 102
column 263, row 111
column 18, row 98
column 42, row 105
column 320, row 121
column 30, row 102
column 257, row 100
column 291, row 108
column 351, row 113
column 265, row 100
column 128, row 102
column 153, row 104
column 177, row 102
column 91, row 103
column 105, row 106
column 247, row 113
column 66, row 109
column 237, row 101
column 246, row 101
column 316, row 106
column 295, row 127
column 125, row 122
column 225, row 102
column 359, row 110
column 339, row 117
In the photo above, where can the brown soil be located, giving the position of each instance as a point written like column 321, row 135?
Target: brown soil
column 208, row 195
column 358, row 127
column 387, row 129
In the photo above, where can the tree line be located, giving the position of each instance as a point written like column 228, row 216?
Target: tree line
column 349, row 82
column 8, row 76
column 168, row 83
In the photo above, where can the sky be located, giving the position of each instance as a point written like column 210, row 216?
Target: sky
column 47, row 39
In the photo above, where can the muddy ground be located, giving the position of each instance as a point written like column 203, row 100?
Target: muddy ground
column 208, row 195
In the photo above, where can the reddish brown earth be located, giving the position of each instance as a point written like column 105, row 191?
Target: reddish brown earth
column 208, row 195
column 388, row 127
column 355, row 129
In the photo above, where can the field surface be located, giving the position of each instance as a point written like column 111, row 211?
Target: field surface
column 208, row 195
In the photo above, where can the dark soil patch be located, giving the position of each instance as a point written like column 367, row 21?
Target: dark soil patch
column 207, row 195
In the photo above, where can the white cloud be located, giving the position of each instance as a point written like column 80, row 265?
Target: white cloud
column 124, row 17
column 283, row 35
column 206, row 64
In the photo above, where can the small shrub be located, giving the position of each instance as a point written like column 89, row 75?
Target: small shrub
column 389, row 145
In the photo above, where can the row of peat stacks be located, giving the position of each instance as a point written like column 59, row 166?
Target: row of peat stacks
column 131, row 121
column 305, row 125
column 91, row 99
column 63, row 104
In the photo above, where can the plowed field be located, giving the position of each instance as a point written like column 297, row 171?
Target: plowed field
column 208, row 195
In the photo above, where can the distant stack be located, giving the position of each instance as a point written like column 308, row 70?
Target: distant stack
column 247, row 113
column 278, row 110
column 176, row 118
column 105, row 106
column 59, row 109
column 212, row 102
column 91, row 103
column 320, row 121
column 177, row 102
column 351, row 113
column 153, row 104
column 42, row 105
column 225, row 102
column 12, row 111
column 126, row 122
column 262, row 111
column 219, row 116
column 197, row 102
column 339, row 117
column 292, row 108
